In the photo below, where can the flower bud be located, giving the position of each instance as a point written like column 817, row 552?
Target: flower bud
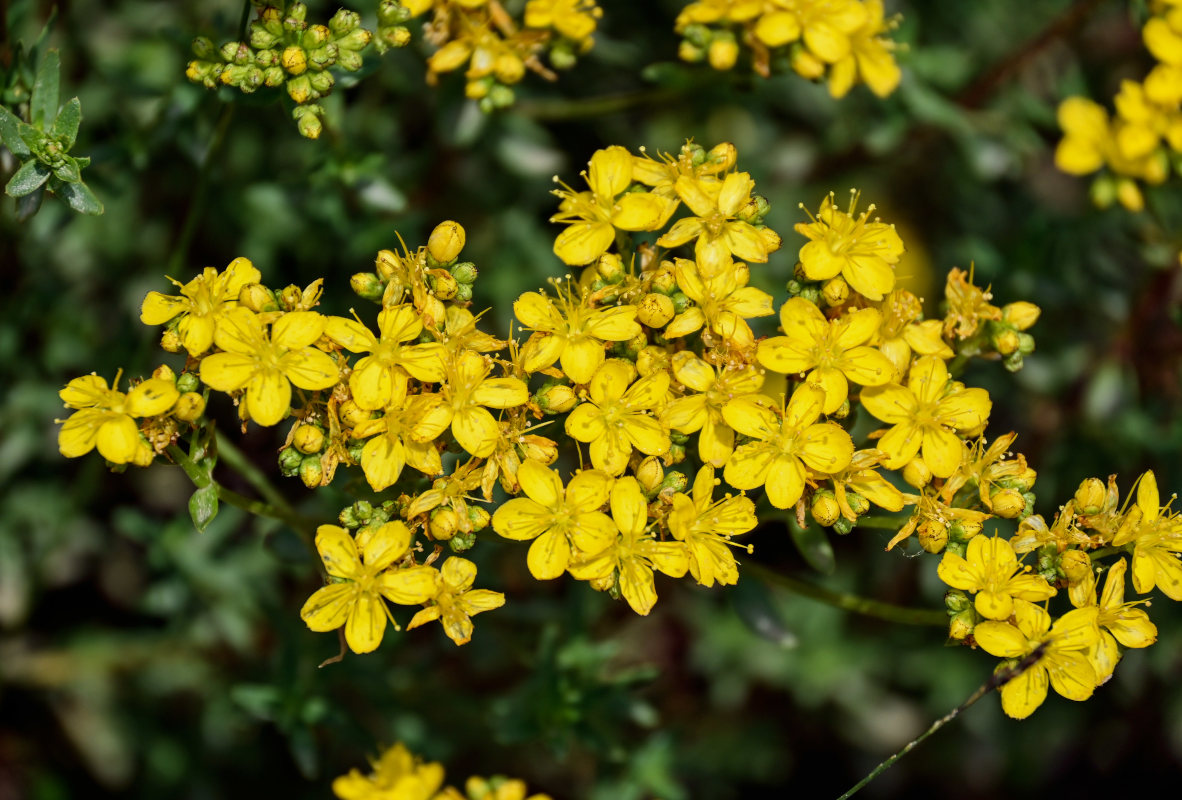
column 261, row 38
column 144, row 455
column 917, row 473
column 673, row 481
column 170, row 340
column 308, row 439
column 321, row 82
column 1090, row 496
column 235, row 53
column 311, row 471
column 396, row 36
column 835, row 291
column 1129, row 195
column 203, row 48
column 300, row 89
column 442, row 284
column 355, row 41
column 680, row 302
column 464, row 272
column 462, row 541
column 690, row 52
column 555, row 398
column 350, row 60
column 843, row 526
column 272, row 20
column 933, row 535
column 1020, row 314
column 297, row 12
column 1005, row 341
column 652, row 359
column 446, row 242
column 289, row 462
column 188, row 407
column 274, row 75
column 824, row 508
column 323, row 57
column 1025, row 344
column 806, row 64
column 857, row 503
column 676, row 453
column 610, row 267
column 478, row 518
column 1007, row 503
column 444, row 524
column 294, row 60
column 650, row 473
column 957, row 600
column 655, row 310
column 723, row 52
column 164, row 372
column 352, row 414
column 257, row 298
column 355, row 448
column 187, row 382
column 344, row 21
column 962, row 624
column 961, row 530
column 367, row 286
column 1075, row 564
column 665, row 280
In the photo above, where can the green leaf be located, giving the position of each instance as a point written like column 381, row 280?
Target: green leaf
column 44, row 102
column 203, row 506
column 29, row 178
column 10, row 134
column 34, row 139
column 68, row 171
column 29, row 205
column 79, row 197
column 814, row 545
column 65, row 127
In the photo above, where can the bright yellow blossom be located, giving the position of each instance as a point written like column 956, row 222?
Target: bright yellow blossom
column 202, row 305
column 831, row 351
column 902, row 332
column 719, row 234
column 1119, row 621
column 562, row 522
column 105, row 417
column 266, row 365
column 785, row 442
column 592, row 217
column 925, row 415
column 360, row 578
column 1060, row 650
column 463, row 397
column 571, row 333
column 862, row 478
column 455, row 602
column 617, row 416
column 701, row 409
column 862, row 251
column 499, row 788
column 397, row 775
column 380, row 379
column 393, row 445
column 707, row 526
column 870, row 57
column 574, row 19
column 1156, row 536
column 991, row 569
column 723, row 303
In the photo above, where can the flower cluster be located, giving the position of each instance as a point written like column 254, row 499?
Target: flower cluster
column 839, row 41
column 1141, row 140
column 399, row 775
column 285, row 50
column 496, row 48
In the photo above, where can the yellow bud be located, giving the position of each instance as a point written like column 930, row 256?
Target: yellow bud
column 295, row 61
column 539, row 448
column 308, row 439
column 290, row 297
column 741, row 273
column 603, row 584
column 1021, row 314
column 556, row 398
column 508, row 68
column 655, row 310
column 352, row 414
column 446, row 241
column 366, row 285
column 1008, row 503
column 387, row 265
column 257, row 298
column 650, row 474
column 610, row 267
column 652, row 359
column 835, row 291
column 443, row 284
column 311, row 471
column 1006, row 341
column 1076, row 565
column 806, row 64
column 964, row 529
column 962, row 624
column 933, row 535
column 143, row 455
column 723, row 53
column 164, row 372
column 1129, row 195
column 687, row 51
column 477, row 89
column 188, row 407
column 299, row 89
column 665, row 279
column 917, row 473
column 170, row 341
column 444, row 524
column 722, row 157
column 825, row 509
column 1090, row 496
column 478, row 517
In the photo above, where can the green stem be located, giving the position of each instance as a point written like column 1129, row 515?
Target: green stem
column 585, row 108
column 998, row 679
column 1104, row 552
column 235, row 459
column 849, row 602
column 880, row 523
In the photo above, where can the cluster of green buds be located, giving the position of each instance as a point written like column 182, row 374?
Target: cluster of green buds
column 392, row 30
column 39, row 133
column 285, row 50
column 717, row 46
column 437, row 270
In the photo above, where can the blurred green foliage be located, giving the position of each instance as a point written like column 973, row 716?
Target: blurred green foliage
column 139, row 658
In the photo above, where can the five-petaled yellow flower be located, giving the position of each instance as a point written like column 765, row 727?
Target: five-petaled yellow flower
column 361, row 576
column 616, row 416
column 785, row 442
column 265, row 365
column 1119, row 621
column 991, row 569
column 564, row 523
column 723, row 303
column 862, row 251
column 393, row 445
column 1156, row 536
column 707, row 526
column 455, row 602
column 461, row 404
column 571, row 333
column 202, row 304
column 105, row 416
column 701, row 409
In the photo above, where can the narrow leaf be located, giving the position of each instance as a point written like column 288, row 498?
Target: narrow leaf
column 29, row 205
column 10, row 134
column 65, row 127
column 814, row 546
column 203, row 506
column 44, row 102
column 28, row 179
column 80, row 198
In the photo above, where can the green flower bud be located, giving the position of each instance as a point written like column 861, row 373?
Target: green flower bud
column 843, row 526
column 348, row 518
column 357, row 40
column 289, row 461
column 261, row 38
column 857, row 503
column 462, row 542
column 501, row 96
column 366, row 285
column 235, row 53
column 478, row 518
column 1090, row 497
column 297, row 12
column 555, row 398
column 204, row 48
column 350, row 60
column 463, row 293
column 957, row 600
column 562, row 56
column 274, row 76
column 1025, row 344
column 344, row 21
column 464, row 272
column 673, row 482
column 355, row 448
column 699, row 36
column 688, row 51
column 442, row 284
column 300, row 89
column 187, row 382
column 397, row 36
column 680, row 302
column 962, row 624
column 321, row 82
column 391, row 12
column 311, row 471
column 272, row 20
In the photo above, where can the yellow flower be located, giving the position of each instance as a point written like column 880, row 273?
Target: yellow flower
column 463, row 398
column 574, row 19
column 902, row 332
column 719, row 234
column 831, row 351
column 925, row 414
column 1156, row 536
column 397, row 775
column 634, row 554
column 706, row 527
column 105, row 416
column 561, row 522
column 1119, row 621
column 1060, row 654
column 968, row 305
column 617, row 416
column 393, row 444
column 380, row 379
column 592, row 217
column 863, row 479
column 991, row 569
column 870, row 55
column 785, row 442
column 1086, row 136
column 722, row 303
column 202, row 305
column 499, row 788
column 455, row 602
column 862, row 251
column 701, row 410
column 360, row 578
column 571, row 332
column 267, row 365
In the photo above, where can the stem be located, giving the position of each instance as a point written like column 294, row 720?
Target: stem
column 880, row 523
column 234, row 458
column 998, row 679
column 561, row 109
column 849, row 602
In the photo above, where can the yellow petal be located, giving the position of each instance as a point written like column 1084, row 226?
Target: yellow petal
column 366, row 623
column 227, row 372
column 804, row 406
column 749, row 465
column 826, row 447
column 777, row 28
column 900, row 443
column 310, row 369
column 160, row 308
column 789, row 356
column 693, row 371
column 585, row 423
column 501, row 393
column 640, row 211
column 959, row 574
column 785, row 482
column 1000, row 639
column 549, row 555
column 866, row 365
column 942, row 451
column 540, row 484
column 1025, row 692
column 328, row 607
column 1071, row 675
column 118, row 439
column 521, row 518
column 476, row 431
column 79, row 432
column 583, row 242
column 151, row 397
column 891, row 403
column 537, row 312
column 425, row 362
column 610, row 171
column 458, row 573
column 386, row 545
column 588, row 490
column 646, row 434
column 297, row 329
column 338, row 551
column 615, row 324
column 382, row 460
column 268, row 397
column 629, row 508
column 350, row 334
column 611, row 451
